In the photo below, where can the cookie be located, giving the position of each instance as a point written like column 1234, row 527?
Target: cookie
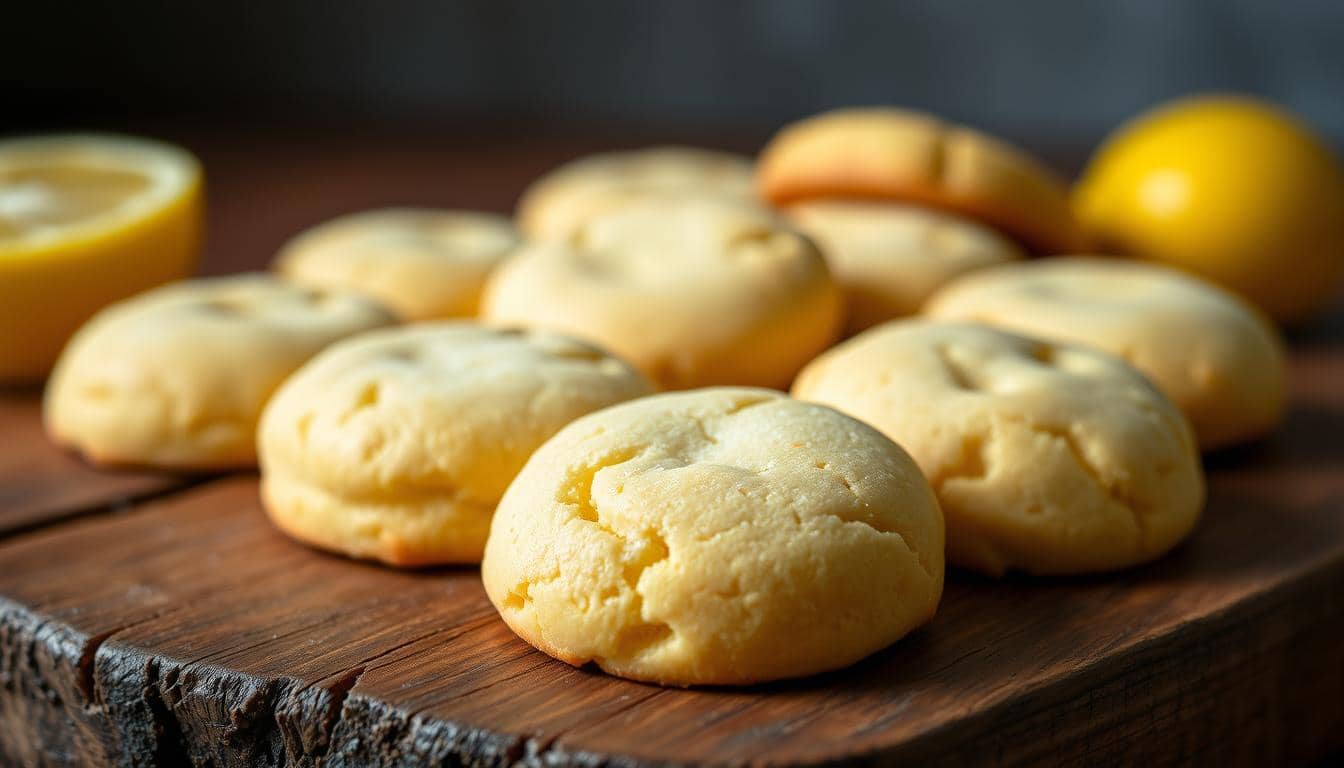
column 559, row 202
column 896, row 155
column 397, row 445
column 423, row 264
column 1218, row 359
column 177, row 377
column 889, row 258
column 692, row 291
column 721, row 536
column 1046, row 458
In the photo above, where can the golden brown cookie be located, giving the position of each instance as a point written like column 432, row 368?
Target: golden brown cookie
column 177, row 376
column 397, row 445
column 719, row 536
column 1215, row 356
column 693, row 291
column 422, row 264
column 890, row 258
column 893, row 154
column 1047, row 458
column 555, row 205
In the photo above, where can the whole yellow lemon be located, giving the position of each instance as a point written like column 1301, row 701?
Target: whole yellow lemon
column 1229, row 188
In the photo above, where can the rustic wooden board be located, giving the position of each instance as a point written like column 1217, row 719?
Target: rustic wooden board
column 41, row 484
column 183, row 628
column 188, row 630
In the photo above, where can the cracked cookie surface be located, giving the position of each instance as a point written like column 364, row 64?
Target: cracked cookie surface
column 1218, row 359
column 1047, row 458
column 397, row 445
column 694, row 291
column 177, row 376
column 720, row 536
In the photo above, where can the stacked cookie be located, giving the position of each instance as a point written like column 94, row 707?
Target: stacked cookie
column 1043, row 415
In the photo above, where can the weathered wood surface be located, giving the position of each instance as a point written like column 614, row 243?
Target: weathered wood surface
column 186, row 629
column 41, row 484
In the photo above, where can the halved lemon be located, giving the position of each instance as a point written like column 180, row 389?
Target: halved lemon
column 86, row 220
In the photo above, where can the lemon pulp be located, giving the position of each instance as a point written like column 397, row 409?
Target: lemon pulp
column 86, row 220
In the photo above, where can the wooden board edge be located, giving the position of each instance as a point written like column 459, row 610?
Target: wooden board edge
column 1258, row 683
column 124, row 502
column 1277, row 656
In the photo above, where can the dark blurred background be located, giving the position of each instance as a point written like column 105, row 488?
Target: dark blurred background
column 522, row 85
column 1043, row 71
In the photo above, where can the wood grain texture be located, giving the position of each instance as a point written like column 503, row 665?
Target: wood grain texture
column 41, row 484
column 189, row 630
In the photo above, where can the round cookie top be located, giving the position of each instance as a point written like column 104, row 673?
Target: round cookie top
column 434, row 408
column 893, row 154
column 889, row 258
column 692, row 291
column 721, row 536
column 1050, row 458
column 1216, row 357
column 177, row 376
column 424, row 264
column 559, row 202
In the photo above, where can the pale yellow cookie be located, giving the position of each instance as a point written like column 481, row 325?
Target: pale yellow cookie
column 397, row 445
column 721, row 536
column 423, row 264
column 692, row 291
column 889, row 258
column 898, row 155
column 562, row 200
column 1218, row 359
column 177, row 376
column 1046, row 458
